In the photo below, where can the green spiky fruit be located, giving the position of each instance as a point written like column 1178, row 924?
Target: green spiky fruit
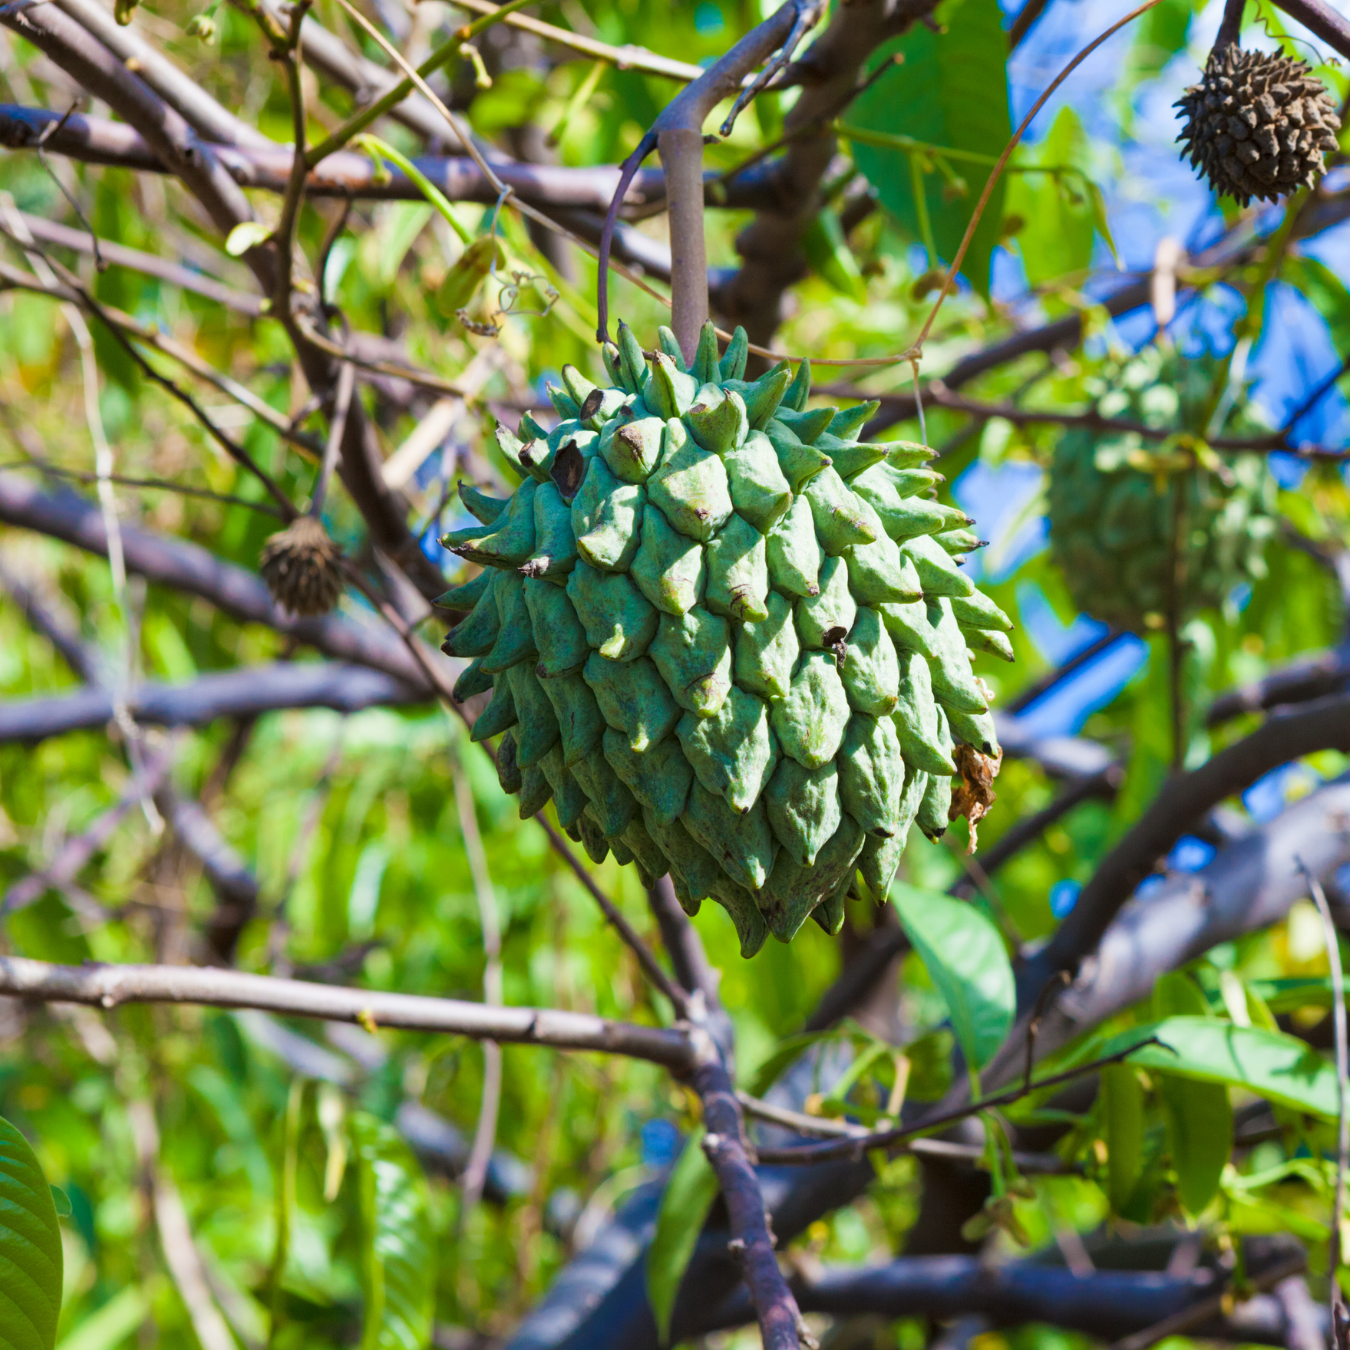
column 730, row 641
column 1143, row 528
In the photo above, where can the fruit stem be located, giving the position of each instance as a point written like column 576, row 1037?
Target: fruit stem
column 681, row 151
column 1230, row 30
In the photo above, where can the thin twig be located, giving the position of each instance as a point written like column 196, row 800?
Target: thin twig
column 627, row 57
column 358, row 122
column 149, row 484
column 287, row 52
column 346, row 383
column 72, row 290
column 1333, row 946
column 1042, row 1164
column 855, row 1146
column 1053, row 986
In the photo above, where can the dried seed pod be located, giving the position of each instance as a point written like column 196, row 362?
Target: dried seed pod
column 302, row 567
column 1258, row 124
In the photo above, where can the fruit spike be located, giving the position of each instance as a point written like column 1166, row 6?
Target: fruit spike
column 726, row 638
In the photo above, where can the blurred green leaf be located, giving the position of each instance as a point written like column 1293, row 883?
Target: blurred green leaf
column 689, row 1195
column 397, row 234
column 30, row 1248
column 1123, row 1129
column 966, row 958
column 1056, row 210
column 1199, row 1136
column 952, row 90
column 1176, row 994
column 830, row 256
column 1160, row 35
column 400, row 1253
column 111, row 1324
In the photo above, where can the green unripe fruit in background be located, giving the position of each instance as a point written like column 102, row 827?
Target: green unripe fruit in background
column 1142, row 528
column 721, row 634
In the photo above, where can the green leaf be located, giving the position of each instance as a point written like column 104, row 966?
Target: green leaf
column 246, row 235
column 830, row 256
column 788, row 1050
column 1177, row 995
column 1057, row 209
column 1123, row 1127
column 1161, row 34
column 400, row 1256
column 1097, row 201
column 464, row 278
column 1277, row 1067
column 967, row 961
column 1199, row 1136
column 689, row 1194
column 952, row 91
column 1326, row 292
column 107, row 1328
column 30, row 1248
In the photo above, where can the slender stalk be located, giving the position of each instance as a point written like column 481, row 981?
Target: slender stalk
column 358, row 122
column 1332, row 940
column 285, row 1203
column 415, row 77
column 485, row 1134
column 627, row 57
column 288, row 54
column 337, row 430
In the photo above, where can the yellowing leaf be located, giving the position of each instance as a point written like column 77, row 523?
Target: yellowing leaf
column 465, row 277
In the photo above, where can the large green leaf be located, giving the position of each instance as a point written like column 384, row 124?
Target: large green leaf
column 966, row 958
column 951, row 91
column 30, row 1248
column 400, row 1264
column 689, row 1194
column 1277, row 1067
